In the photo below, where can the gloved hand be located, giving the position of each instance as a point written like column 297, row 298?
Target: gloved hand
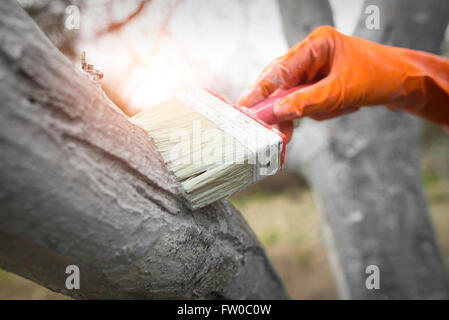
column 345, row 73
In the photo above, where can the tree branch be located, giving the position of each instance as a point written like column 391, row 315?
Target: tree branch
column 116, row 26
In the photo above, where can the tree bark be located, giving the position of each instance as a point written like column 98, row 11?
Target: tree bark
column 365, row 172
column 82, row 185
column 300, row 17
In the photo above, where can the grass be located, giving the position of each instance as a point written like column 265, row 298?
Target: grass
column 438, row 198
column 288, row 226
column 14, row 287
column 287, row 223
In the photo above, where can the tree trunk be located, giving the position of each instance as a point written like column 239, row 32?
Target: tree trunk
column 82, row 185
column 365, row 172
column 300, row 17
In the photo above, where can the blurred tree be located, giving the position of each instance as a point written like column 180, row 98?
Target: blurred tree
column 365, row 167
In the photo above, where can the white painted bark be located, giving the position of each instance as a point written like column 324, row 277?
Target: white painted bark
column 82, row 185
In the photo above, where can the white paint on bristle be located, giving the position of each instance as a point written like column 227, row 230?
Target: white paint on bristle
column 213, row 149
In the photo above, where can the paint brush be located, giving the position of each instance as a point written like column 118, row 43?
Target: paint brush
column 214, row 148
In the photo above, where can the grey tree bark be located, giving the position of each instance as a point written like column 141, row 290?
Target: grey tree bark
column 82, row 185
column 365, row 171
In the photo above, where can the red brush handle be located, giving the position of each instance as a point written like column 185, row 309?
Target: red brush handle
column 264, row 109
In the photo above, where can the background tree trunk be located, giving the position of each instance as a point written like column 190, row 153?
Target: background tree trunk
column 365, row 169
column 82, row 185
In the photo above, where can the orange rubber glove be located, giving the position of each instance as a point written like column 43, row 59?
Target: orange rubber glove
column 345, row 73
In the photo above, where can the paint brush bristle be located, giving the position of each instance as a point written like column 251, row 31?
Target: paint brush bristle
column 212, row 148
